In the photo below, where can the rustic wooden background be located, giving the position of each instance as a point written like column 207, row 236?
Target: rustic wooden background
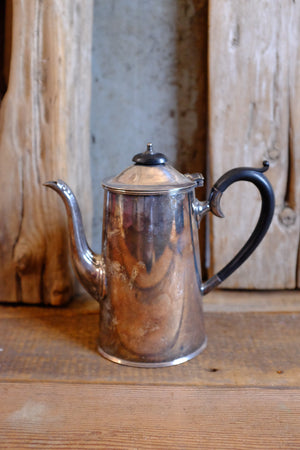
column 44, row 127
column 254, row 115
column 233, row 69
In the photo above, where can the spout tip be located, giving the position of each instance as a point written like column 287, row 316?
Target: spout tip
column 51, row 184
column 59, row 186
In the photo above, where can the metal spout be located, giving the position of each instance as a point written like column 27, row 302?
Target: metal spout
column 88, row 265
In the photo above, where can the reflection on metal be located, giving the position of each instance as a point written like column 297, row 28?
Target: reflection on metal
column 89, row 266
column 148, row 279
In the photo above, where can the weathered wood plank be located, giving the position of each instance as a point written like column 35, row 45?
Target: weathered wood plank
column 54, row 415
column 293, row 191
column 254, row 110
column 242, row 392
column 44, row 127
column 192, row 98
column 223, row 300
column 244, row 349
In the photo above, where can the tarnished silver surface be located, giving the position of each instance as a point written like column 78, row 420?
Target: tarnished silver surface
column 215, row 200
column 151, row 179
column 197, row 177
column 152, row 313
column 88, row 265
column 200, row 209
column 149, row 365
column 210, row 284
column 148, row 280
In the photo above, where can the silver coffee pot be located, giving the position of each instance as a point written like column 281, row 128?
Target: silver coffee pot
column 148, row 278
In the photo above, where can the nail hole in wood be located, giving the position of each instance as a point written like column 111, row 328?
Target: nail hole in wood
column 212, row 369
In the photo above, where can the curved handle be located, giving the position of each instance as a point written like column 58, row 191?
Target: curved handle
column 256, row 177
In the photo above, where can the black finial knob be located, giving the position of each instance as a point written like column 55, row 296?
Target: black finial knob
column 148, row 158
column 150, row 148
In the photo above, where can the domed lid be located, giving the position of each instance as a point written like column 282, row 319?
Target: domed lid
column 151, row 175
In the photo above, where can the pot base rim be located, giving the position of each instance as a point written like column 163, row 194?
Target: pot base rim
column 151, row 365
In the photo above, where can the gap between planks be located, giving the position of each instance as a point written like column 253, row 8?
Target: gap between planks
column 220, row 300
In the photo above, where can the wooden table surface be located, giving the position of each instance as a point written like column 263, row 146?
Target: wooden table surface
column 242, row 392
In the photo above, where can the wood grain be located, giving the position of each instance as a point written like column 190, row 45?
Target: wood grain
column 254, row 111
column 44, row 127
column 192, row 93
column 293, row 186
column 53, row 415
column 243, row 392
column 244, row 349
column 224, row 300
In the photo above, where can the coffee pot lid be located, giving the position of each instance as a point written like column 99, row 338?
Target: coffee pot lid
column 151, row 175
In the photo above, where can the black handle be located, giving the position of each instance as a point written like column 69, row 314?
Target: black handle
column 256, row 177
